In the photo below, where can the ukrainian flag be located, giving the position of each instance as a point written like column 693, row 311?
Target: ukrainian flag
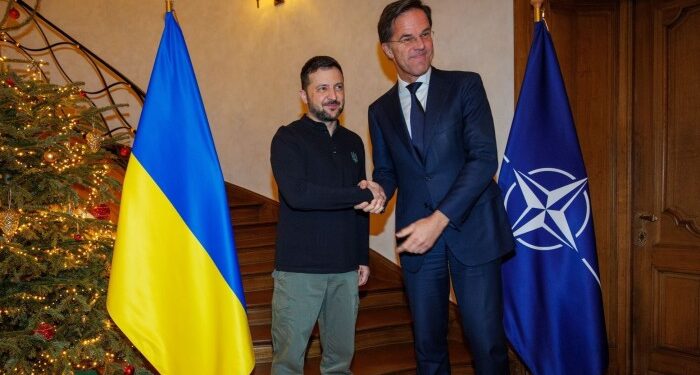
column 175, row 288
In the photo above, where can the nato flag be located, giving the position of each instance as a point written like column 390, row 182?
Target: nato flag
column 552, row 298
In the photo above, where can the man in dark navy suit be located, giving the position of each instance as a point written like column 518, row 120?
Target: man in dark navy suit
column 433, row 140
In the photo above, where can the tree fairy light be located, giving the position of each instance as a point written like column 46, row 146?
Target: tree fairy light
column 59, row 162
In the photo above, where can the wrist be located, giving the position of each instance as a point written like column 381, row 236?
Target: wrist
column 440, row 219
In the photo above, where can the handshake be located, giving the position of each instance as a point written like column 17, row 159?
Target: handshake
column 376, row 206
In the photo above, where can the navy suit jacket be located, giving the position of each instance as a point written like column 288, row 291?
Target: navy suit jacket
column 456, row 174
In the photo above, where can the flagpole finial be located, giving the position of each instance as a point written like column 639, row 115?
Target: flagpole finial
column 538, row 9
column 168, row 6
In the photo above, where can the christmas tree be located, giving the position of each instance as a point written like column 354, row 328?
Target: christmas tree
column 60, row 172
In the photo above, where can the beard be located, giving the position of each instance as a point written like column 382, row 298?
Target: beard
column 321, row 113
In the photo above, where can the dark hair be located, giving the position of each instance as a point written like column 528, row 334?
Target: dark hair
column 315, row 63
column 385, row 27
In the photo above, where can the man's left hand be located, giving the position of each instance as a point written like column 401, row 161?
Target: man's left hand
column 363, row 275
column 421, row 235
column 376, row 206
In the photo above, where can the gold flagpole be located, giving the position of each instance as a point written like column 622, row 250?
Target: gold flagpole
column 538, row 9
column 170, row 8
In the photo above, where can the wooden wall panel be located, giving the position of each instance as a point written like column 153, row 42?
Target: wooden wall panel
column 678, row 318
column 682, row 155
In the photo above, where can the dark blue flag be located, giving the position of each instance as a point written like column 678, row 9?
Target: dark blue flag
column 553, row 307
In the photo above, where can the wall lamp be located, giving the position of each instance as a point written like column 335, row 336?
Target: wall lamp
column 277, row 2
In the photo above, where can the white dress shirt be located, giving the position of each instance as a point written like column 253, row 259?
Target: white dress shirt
column 421, row 94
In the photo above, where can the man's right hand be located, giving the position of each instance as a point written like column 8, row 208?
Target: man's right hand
column 376, row 206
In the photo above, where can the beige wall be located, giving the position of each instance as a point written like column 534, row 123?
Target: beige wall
column 247, row 61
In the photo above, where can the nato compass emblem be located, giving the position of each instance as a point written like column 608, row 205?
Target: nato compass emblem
column 549, row 209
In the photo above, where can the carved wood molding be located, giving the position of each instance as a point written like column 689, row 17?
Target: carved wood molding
column 671, row 18
column 682, row 220
column 676, row 14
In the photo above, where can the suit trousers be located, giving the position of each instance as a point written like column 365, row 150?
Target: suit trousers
column 480, row 301
column 298, row 301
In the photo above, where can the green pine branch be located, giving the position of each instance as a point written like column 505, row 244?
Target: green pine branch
column 54, row 266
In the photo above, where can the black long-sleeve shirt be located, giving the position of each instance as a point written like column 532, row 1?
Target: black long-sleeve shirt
column 319, row 231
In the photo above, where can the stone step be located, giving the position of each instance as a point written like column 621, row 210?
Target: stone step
column 395, row 359
column 375, row 327
column 376, row 293
column 247, row 211
column 253, row 255
column 255, row 233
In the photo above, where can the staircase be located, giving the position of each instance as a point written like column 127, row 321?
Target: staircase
column 383, row 341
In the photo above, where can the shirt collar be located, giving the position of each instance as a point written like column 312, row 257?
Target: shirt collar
column 318, row 125
column 425, row 79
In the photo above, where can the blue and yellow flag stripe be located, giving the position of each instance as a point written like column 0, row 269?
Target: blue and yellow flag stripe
column 175, row 288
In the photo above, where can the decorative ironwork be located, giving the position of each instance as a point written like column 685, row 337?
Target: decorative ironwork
column 37, row 37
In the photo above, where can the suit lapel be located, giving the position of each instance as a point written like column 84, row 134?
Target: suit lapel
column 437, row 93
column 399, row 122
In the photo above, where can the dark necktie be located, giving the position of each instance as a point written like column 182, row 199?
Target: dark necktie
column 417, row 118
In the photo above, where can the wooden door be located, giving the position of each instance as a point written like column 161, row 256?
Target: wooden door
column 632, row 71
column 666, row 188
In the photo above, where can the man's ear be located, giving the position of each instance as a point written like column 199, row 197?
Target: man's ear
column 387, row 50
column 302, row 95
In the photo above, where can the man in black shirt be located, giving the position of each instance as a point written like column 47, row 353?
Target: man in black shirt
column 322, row 252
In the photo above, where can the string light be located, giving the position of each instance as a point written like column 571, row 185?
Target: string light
column 55, row 120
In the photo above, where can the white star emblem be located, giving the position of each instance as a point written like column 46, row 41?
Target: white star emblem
column 546, row 207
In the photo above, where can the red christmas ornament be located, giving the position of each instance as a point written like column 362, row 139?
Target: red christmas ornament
column 101, row 211
column 124, row 151
column 10, row 82
column 83, row 94
column 14, row 13
column 45, row 330
column 78, row 237
column 129, row 370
